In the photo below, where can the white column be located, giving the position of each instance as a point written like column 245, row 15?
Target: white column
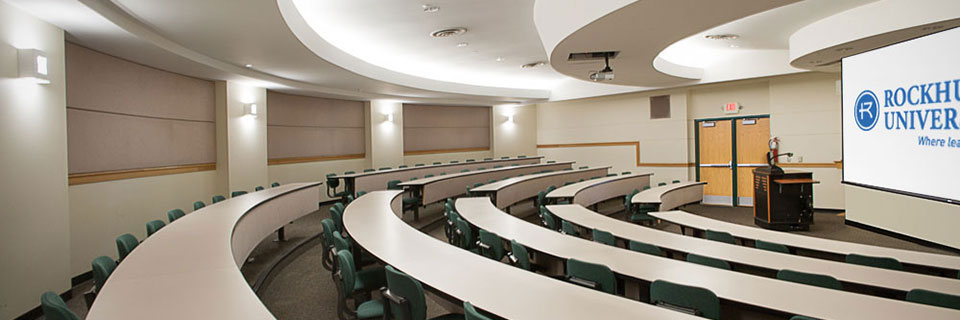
column 385, row 139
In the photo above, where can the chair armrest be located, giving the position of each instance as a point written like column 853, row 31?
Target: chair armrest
column 483, row 245
column 584, row 282
column 690, row 311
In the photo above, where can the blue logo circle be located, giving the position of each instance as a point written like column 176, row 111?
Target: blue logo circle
column 866, row 112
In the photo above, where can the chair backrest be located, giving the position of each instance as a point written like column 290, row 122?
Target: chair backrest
column 542, row 198
column 491, row 245
column 487, row 159
column 340, row 243
column 676, row 181
column 332, row 183
column 217, row 198
column 428, row 176
column 384, row 168
column 568, row 228
column 522, row 156
column 708, row 261
column 435, row 163
column 258, row 188
column 552, row 161
column 361, row 193
column 337, row 216
column 604, row 237
column 197, row 205
column 625, row 173
column 102, row 268
column 645, row 248
column 551, row 188
column 519, row 253
column 154, row 226
column 593, row 275
column 454, row 161
column 54, row 308
column 276, row 184
column 369, row 170
column 812, row 279
column 328, row 228
column 645, row 188
column 412, row 304
column 349, row 172
column 721, row 236
column 770, row 246
column 403, row 166
column 878, row 262
column 612, row 174
column 471, row 313
column 394, row 185
column 237, row 193
column 471, row 160
column 347, row 273
column 174, row 214
column 467, row 239
column 661, row 184
column 934, row 298
column 703, row 301
column 547, row 218
column 125, row 244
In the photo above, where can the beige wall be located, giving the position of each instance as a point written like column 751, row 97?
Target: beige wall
column 924, row 219
column 313, row 171
column 303, row 126
column 35, row 228
column 516, row 138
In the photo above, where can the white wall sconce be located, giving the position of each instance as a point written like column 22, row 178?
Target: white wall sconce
column 388, row 117
column 251, row 109
column 33, row 65
column 510, row 118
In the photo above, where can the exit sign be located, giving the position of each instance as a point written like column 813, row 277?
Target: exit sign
column 731, row 107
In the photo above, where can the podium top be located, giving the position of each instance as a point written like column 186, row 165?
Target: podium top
column 795, row 181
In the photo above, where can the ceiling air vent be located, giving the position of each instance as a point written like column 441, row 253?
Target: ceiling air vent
column 586, row 56
column 448, row 32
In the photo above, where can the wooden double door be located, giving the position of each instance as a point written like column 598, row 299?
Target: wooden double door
column 727, row 152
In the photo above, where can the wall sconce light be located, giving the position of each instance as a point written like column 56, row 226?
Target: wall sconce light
column 33, row 64
column 251, row 109
column 510, row 118
column 388, row 117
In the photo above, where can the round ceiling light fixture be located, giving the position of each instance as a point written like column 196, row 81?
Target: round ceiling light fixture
column 533, row 64
column 462, row 45
column 723, row 36
column 429, row 8
column 500, row 59
column 443, row 33
column 248, row 66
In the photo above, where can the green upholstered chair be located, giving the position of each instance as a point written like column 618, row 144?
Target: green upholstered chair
column 54, row 308
column 694, row 300
column 349, row 172
column 661, row 184
column 428, row 176
column 676, row 181
column 405, row 299
column 275, row 184
column 770, row 246
column 258, row 188
column 708, row 261
column 541, row 199
column 154, row 226
column 568, row 228
column 522, row 156
column 332, row 184
column 612, row 174
column 449, row 212
column 471, row 160
column 642, row 215
column 465, row 170
column 645, row 248
column 343, row 243
column 237, row 193
column 350, row 283
column 327, row 241
column 471, row 313
column 877, row 262
column 719, row 236
column 454, row 161
column 802, row 318
column 102, row 266
column 125, row 245
column 403, row 166
column 336, row 214
column 369, row 170
column 217, row 198
column 504, row 158
column 604, row 237
column 551, row 188
column 627, row 201
column 519, row 256
column 467, row 240
column 584, row 167
column 384, row 168
column 487, row 159
column 437, row 163
column 197, row 205
column 645, row 188
column 552, row 161
column 591, row 275
column 819, row 280
column 934, row 298
column 394, row 185
column 491, row 246
column 547, row 219
column 625, row 173
column 174, row 214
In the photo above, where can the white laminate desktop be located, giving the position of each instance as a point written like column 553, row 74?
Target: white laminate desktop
column 438, row 188
column 495, row 287
column 671, row 196
column 190, row 269
column 377, row 180
column 592, row 191
column 812, row 243
column 510, row 191
column 742, row 288
column 877, row 277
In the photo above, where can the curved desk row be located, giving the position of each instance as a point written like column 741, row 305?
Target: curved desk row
column 593, row 191
column 737, row 288
column 671, row 196
column 190, row 269
column 495, row 287
column 377, row 180
column 899, row 281
column 439, row 188
column 841, row 248
column 510, row 191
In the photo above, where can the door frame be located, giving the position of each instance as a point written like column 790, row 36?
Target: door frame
column 733, row 136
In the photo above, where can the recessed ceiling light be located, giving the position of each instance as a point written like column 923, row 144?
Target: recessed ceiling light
column 533, row 64
column 723, row 36
column 248, row 66
column 429, row 8
column 462, row 44
column 501, row 59
column 734, row 46
column 448, row 32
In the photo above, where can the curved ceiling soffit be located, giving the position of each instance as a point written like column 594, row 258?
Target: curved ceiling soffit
column 327, row 51
column 820, row 46
column 652, row 25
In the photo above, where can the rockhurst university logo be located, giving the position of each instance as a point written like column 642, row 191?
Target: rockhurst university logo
column 930, row 109
column 867, row 110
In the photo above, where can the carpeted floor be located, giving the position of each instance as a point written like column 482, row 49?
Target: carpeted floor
column 299, row 288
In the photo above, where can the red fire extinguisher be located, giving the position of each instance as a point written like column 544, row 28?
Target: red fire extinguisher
column 774, row 149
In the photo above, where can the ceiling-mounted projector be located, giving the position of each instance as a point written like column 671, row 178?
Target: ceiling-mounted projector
column 603, row 75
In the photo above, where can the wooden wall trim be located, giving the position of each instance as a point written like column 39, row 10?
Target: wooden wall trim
column 103, row 176
column 422, row 152
column 668, row 165
column 315, row 159
column 835, row 164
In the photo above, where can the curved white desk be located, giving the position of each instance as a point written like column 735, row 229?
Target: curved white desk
column 592, row 191
column 510, row 191
column 495, row 287
column 742, row 288
column 869, row 276
column 190, row 269
column 817, row 244
column 439, row 188
column 377, row 180
column 671, row 196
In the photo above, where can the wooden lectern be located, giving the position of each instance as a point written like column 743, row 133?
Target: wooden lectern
column 782, row 200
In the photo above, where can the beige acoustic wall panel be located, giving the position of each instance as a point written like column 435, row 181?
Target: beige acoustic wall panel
column 122, row 115
column 445, row 128
column 311, row 127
